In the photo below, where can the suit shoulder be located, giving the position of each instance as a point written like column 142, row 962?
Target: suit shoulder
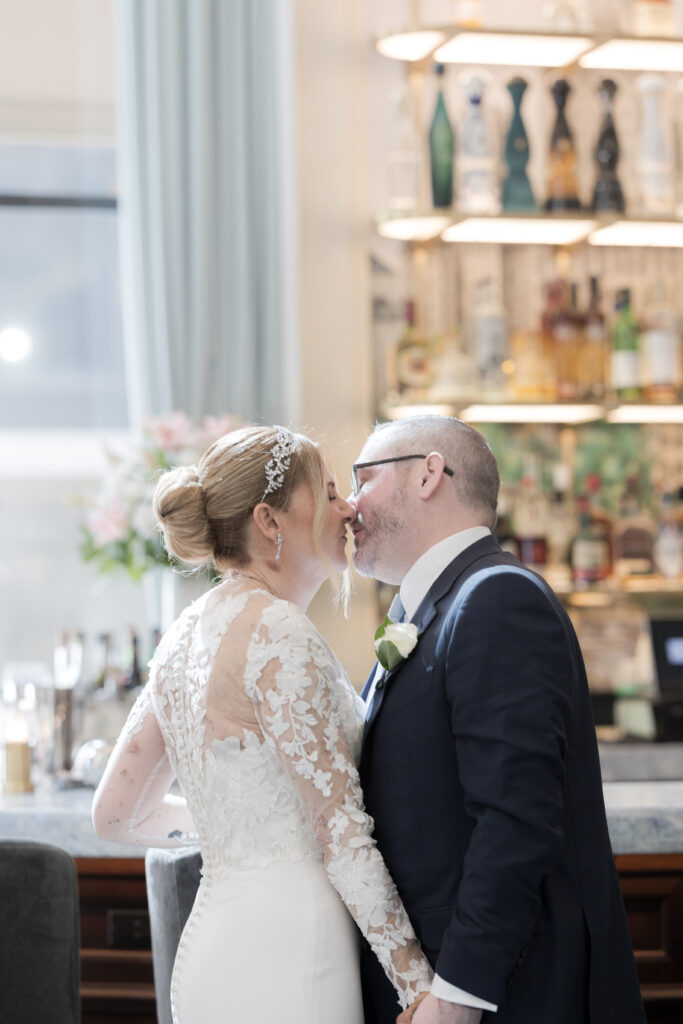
column 503, row 583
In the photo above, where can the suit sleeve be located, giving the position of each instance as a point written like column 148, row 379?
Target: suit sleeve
column 509, row 684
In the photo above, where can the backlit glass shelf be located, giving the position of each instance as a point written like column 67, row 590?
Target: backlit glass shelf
column 499, row 47
column 565, row 413
column 534, row 229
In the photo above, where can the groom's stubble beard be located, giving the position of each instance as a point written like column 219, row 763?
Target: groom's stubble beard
column 382, row 542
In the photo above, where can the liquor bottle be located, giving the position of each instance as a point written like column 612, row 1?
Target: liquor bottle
column 441, row 149
column 517, row 192
column 633, row 536
column 133, row 675
column 593, row 355
column 490, row 340
column 655, row 177
column 559, row 325
column 653, row 18
column 668, row 546
column 413, row 365
column 562, row 188
column 607, row 193
column 533, row 376
column 477, row 178
column 625, row 357
column 561, row 523
column 531, row 520
column 403, row 161
column 567, row 15
column 589, row 550
column 503, row 530
column 661, row 350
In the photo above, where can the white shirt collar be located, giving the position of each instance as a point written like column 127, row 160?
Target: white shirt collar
column 429, row 566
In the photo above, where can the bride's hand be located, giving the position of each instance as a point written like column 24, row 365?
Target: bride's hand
column 407, row 1014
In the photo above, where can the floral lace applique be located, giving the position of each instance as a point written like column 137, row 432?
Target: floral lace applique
column 306, row 710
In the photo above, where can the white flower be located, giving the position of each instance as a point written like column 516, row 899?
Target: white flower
column 403, row 635
column 394, row 641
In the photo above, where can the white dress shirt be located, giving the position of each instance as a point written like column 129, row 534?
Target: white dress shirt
column 416, row 582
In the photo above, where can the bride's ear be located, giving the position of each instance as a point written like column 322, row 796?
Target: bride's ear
column 265, row 519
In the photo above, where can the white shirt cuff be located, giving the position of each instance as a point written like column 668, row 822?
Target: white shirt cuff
column 451, row 994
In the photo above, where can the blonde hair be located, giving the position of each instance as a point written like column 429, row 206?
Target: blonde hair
column 204, row 511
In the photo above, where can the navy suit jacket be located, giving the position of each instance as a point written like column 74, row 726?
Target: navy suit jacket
column 480, row 768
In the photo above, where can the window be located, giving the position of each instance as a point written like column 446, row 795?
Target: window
column 61, row 346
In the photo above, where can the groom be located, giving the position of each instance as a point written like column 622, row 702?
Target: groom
column 479, row 762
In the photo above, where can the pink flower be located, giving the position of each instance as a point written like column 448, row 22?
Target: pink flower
column 217, row 426
column 109, row 523
column 171, row 433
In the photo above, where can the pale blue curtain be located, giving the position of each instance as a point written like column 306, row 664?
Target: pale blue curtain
column 206, row 205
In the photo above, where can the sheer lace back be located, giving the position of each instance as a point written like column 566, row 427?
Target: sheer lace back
column 263, row 730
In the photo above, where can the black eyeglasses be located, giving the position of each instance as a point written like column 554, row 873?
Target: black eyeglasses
column 355, row 485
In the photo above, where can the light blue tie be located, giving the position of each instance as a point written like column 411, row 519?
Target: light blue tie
column 397, row 612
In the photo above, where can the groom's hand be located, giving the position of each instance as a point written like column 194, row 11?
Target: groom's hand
column 438, row 1011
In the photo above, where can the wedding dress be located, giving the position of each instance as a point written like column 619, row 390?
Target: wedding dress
column 248, row 707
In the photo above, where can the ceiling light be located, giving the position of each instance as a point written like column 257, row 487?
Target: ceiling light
column 667, row 234
column 539, row 413
column 409, row 45
column 412, row 229
column 15, row 344
column 635, row 55
column 519, row 230
column 541, row 51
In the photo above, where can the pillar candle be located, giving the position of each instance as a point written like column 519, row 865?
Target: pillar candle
column 18, row 767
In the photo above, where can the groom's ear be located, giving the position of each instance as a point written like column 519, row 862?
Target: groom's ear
column 432, row 473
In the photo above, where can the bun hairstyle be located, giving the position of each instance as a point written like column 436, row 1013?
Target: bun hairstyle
column 204, row 510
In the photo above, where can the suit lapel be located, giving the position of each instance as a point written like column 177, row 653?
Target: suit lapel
column 425, row 614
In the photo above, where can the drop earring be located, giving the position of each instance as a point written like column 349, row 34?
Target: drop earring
column 278, row 541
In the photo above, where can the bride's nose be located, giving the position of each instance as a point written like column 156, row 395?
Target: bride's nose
column 348, row 513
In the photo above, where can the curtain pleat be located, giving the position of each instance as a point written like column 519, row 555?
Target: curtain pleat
column 204, row 150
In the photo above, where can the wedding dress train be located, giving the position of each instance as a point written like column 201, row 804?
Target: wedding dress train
column 248, row 707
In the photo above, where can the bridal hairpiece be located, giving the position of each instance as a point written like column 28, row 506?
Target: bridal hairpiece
column 286, row 443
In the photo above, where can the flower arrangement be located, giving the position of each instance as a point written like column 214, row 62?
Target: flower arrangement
column 119, row 529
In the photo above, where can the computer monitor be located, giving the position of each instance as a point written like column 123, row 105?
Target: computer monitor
column 667, row 646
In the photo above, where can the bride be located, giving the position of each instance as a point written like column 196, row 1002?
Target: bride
column 247, row 706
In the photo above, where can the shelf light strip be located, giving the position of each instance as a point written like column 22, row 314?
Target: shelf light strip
column 635, row 55
column 533, row 231
column 646, row 414
column 513, row 50
column 519, row 230
column 512, row 413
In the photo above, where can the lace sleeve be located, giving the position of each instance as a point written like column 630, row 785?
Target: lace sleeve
column 294, row 681
column 132, row 803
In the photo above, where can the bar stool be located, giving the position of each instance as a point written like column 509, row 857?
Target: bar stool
column 172, row 881
column 39, row 934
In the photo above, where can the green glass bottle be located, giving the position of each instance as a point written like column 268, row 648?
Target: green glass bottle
column 625, row 361
column 441, row 149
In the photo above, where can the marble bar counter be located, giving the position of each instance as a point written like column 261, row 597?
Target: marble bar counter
column 644, row 817
column 60, row 817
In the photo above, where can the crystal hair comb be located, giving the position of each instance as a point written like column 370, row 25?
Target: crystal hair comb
column 286, row 443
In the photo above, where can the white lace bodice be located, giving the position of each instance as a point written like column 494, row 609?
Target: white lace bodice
column 249, row 708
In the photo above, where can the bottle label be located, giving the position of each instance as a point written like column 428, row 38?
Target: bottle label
column 412, row 367
column 661, row 357
column 625, row 366
column 590, row 558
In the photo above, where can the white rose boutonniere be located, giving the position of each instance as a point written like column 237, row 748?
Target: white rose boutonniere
column 394, row 641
